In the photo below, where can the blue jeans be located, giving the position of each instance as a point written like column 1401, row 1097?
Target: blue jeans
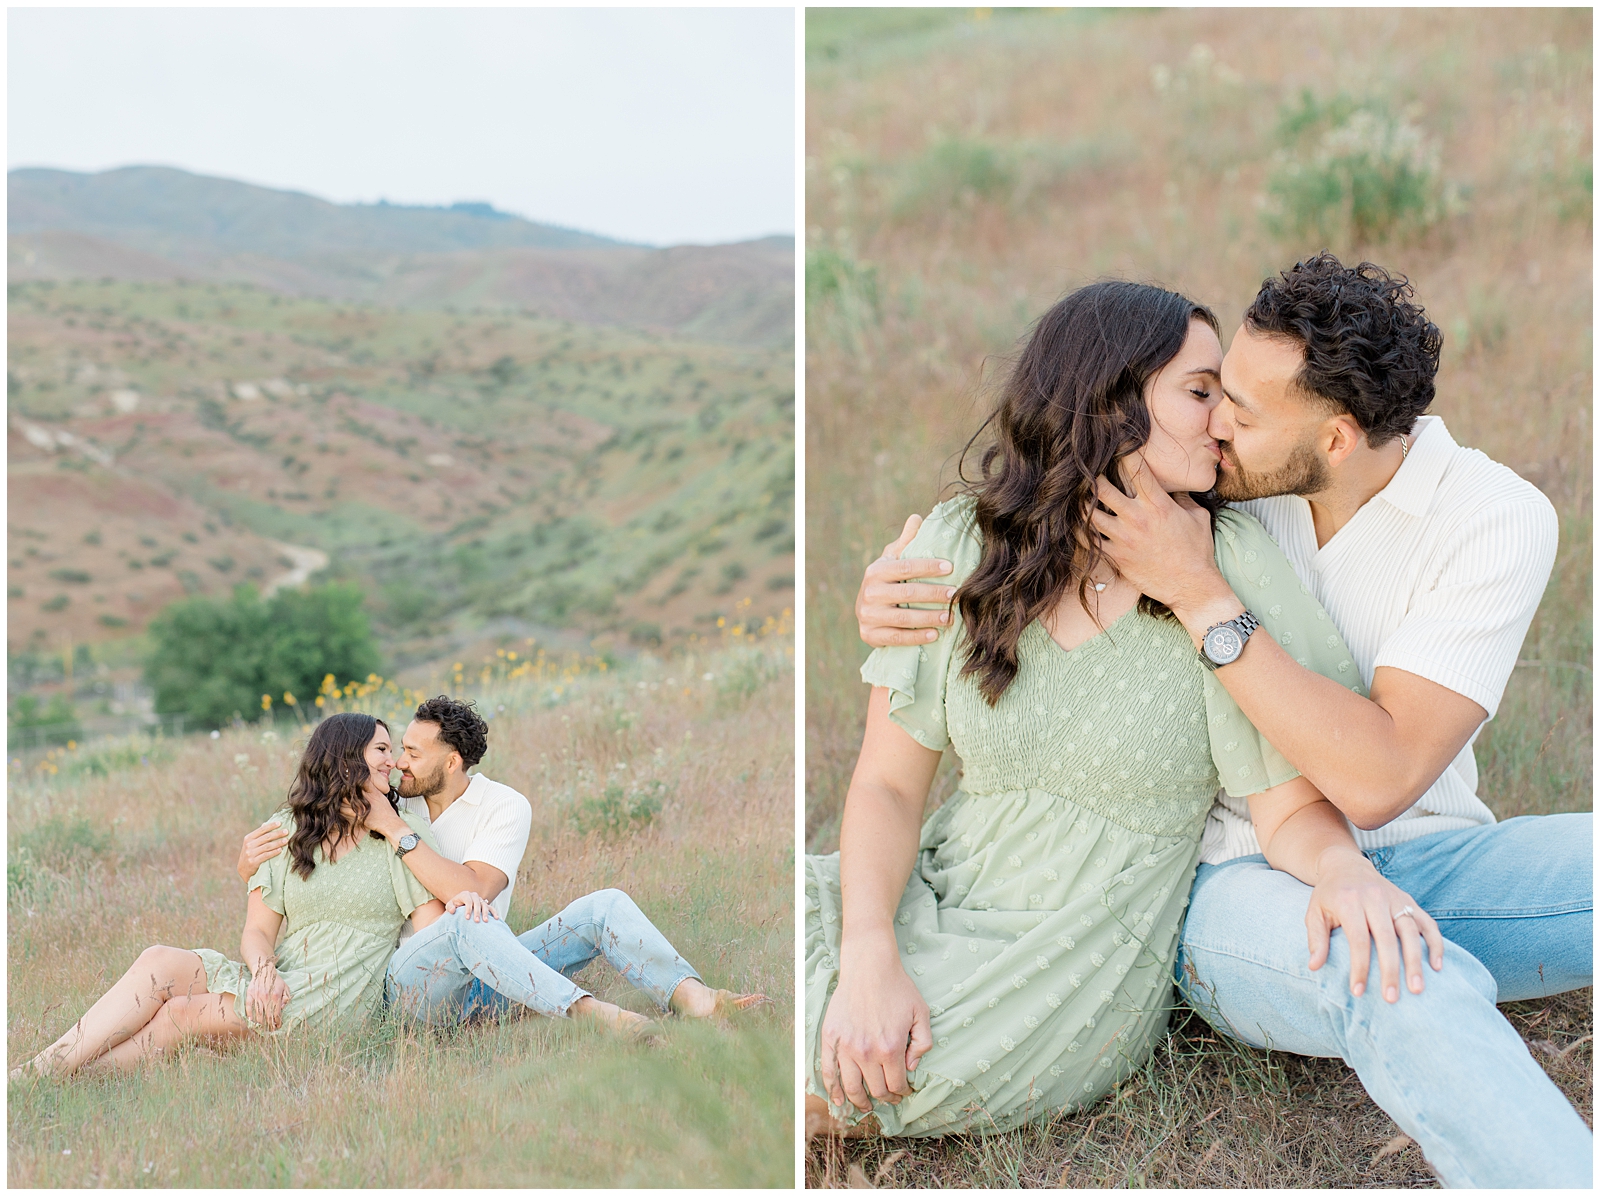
column 457, row 969
column 1515, row 903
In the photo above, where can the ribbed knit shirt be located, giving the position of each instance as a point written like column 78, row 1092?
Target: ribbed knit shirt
column 1438, row 574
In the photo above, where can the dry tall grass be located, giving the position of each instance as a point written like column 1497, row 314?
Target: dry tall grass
column 103, row 865
column 963, row 171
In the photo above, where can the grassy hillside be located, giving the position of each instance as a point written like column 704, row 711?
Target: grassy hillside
column 965, row 169
column 469, row 470
column 154, row 224
column 134, row 843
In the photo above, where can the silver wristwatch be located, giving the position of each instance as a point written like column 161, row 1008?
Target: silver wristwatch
column 407, row 843
column 1223, row 642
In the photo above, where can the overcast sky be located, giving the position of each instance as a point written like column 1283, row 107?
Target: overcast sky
column 656, row 125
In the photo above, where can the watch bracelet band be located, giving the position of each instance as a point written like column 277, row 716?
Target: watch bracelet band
column 1246, row 624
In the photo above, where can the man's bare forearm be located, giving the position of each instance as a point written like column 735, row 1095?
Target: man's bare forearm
column 1348, row 746
column 445, row 878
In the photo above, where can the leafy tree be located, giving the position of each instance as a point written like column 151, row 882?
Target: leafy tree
column 213, row 659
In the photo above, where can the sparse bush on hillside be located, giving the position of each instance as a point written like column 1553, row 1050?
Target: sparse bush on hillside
column 955, row 173
column 618, row 811
column 834, row 276
column 54, row 721
column 1355, row 173
column 213, row 660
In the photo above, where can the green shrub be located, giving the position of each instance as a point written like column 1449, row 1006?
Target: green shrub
column 1355, row 174
column 213, row 659
column 56, row 721
column 833, row 276
column 113, row 756
column 618, row 811
column 60, row 841
column 956, row 170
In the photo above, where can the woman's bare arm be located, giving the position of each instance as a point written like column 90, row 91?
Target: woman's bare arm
column 268, row 994
column 427, row 914
column 877, row 1023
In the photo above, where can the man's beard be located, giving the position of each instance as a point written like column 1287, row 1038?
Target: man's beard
column 1303, row 473
column 417, row 785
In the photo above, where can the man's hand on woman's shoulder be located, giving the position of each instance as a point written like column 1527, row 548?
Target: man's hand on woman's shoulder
column 260, row 845
column 883, row 621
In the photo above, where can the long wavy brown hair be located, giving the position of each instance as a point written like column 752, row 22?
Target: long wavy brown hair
column 1071, row 408
column 328, row 798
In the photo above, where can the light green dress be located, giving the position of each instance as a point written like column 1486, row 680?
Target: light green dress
column 1041, row 919
column 340, row 930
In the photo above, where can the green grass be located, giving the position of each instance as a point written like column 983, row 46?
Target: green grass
column 1148, row 142
column 111, row 856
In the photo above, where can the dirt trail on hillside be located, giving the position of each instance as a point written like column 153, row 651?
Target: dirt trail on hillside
column 307, row 561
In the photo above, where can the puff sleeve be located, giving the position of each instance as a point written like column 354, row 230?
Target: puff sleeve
column 915, row 674
column 409, row 892
column 271, row 876
column 1266, row 583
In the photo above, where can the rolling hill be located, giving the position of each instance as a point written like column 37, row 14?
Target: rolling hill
column 149, row 223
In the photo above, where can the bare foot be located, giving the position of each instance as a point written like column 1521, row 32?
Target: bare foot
column 694, row 999
column 821, row 1121
column 37, row 1066
column 635, row 1026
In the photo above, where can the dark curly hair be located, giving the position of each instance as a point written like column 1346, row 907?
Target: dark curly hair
column 1369, row 350
column 327, row 797
column 460, row 726
column 1071, row 408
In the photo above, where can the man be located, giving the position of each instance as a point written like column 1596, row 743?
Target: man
column 1431, row 559
column 469, row 963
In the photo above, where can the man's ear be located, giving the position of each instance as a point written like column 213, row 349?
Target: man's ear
column 1343, row 436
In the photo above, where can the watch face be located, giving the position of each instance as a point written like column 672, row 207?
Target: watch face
column 1223, row 645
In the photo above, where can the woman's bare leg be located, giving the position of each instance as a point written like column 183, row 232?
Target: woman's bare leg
column 208, row 1016
column 158, row 975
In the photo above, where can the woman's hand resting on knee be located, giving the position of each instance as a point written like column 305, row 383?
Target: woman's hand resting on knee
column 876, row 1030
column 1373, row 912
column 478, row 910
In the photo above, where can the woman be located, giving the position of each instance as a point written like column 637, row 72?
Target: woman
column 1014, row 960
column 343, row 894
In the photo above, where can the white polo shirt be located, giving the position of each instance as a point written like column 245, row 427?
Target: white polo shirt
column 489, row 822
column 1438, row 574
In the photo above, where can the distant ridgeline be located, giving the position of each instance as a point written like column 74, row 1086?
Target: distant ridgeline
column 186, row 416
column 149, row 223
